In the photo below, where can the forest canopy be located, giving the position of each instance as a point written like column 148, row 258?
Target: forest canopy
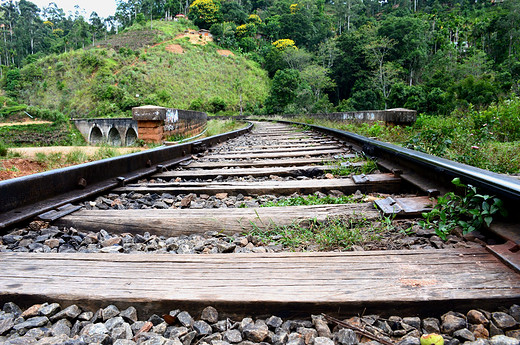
column 335, row 55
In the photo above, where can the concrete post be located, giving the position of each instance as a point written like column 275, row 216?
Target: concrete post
column 150, row 122
column 155, row 124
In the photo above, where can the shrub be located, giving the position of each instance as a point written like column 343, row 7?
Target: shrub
column 471, row 211
column 3, row 149
column 217, row 104
column 47, row 114
column 90, row 59
column 6, row 111
column 197, row 104
column 12, row 82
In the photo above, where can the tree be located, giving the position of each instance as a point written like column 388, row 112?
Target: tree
column 27, row 27
column 344, row 11
column 351, row 64
column 96, row 26
column 327, row 53
column 283, row 90
column 295, row 58
column 205, row 13
column 224, row 34
column 385, row 72
column 79, row 34
column 409, row 38
column 317, row 78
column 233, row 12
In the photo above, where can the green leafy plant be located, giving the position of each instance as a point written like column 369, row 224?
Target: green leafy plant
column 346, row 167
column 470, row 211
column 3, row 149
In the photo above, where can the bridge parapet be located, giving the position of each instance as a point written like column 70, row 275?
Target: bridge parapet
column 156, row 124
column 397, row 116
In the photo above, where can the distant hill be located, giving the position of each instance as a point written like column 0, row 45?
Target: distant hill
column 142, row 66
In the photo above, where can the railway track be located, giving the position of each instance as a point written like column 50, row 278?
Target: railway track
column 228, row 199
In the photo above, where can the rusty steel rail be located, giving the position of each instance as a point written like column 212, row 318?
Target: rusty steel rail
column 26, row 197
column 428, row 169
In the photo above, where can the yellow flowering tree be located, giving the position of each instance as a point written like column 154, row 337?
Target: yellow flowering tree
column 254, row 19
column 205, row 13
column 294, row 8
column 246, row 30
column 284, row 43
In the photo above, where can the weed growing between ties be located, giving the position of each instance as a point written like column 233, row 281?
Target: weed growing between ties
column 470, row 212
column 347, row 166
column 335, row 233
column 314, row 199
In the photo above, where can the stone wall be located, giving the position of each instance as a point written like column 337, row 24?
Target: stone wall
column 156, row 124
column 399, row 116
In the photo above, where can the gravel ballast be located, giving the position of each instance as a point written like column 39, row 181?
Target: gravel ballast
column 48, row 324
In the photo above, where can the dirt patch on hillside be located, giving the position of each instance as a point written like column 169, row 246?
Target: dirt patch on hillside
column 134, row 40
column 174, row 48
column 225, row 52
column 195, row 38
column 16, row 167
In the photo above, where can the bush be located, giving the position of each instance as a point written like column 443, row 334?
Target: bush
column 90, row 59
column 197, row 104
column 47, row 114
column 217, row 104
column 12, row 82
column 3, row 149
column 6, row 111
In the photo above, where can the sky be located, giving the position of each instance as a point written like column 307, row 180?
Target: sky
column 103, row 8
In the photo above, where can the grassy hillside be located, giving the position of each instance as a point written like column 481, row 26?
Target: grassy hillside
column 137, row 67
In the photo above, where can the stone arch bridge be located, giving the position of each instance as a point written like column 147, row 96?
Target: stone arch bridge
column 114, row 131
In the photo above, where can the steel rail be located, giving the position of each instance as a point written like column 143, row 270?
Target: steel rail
column 25, row 197
column 434, row 168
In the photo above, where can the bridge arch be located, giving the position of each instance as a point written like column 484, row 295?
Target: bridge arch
column 114, row 138
column 131, row 136
column 96, row 136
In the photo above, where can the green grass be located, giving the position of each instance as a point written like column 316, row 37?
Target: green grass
column 313, row 199
column 336, row 233
column 215, row 127
column 56, row 160
column 103, row 82
column 105, row 151
column 76, row 157
column 50, row 161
